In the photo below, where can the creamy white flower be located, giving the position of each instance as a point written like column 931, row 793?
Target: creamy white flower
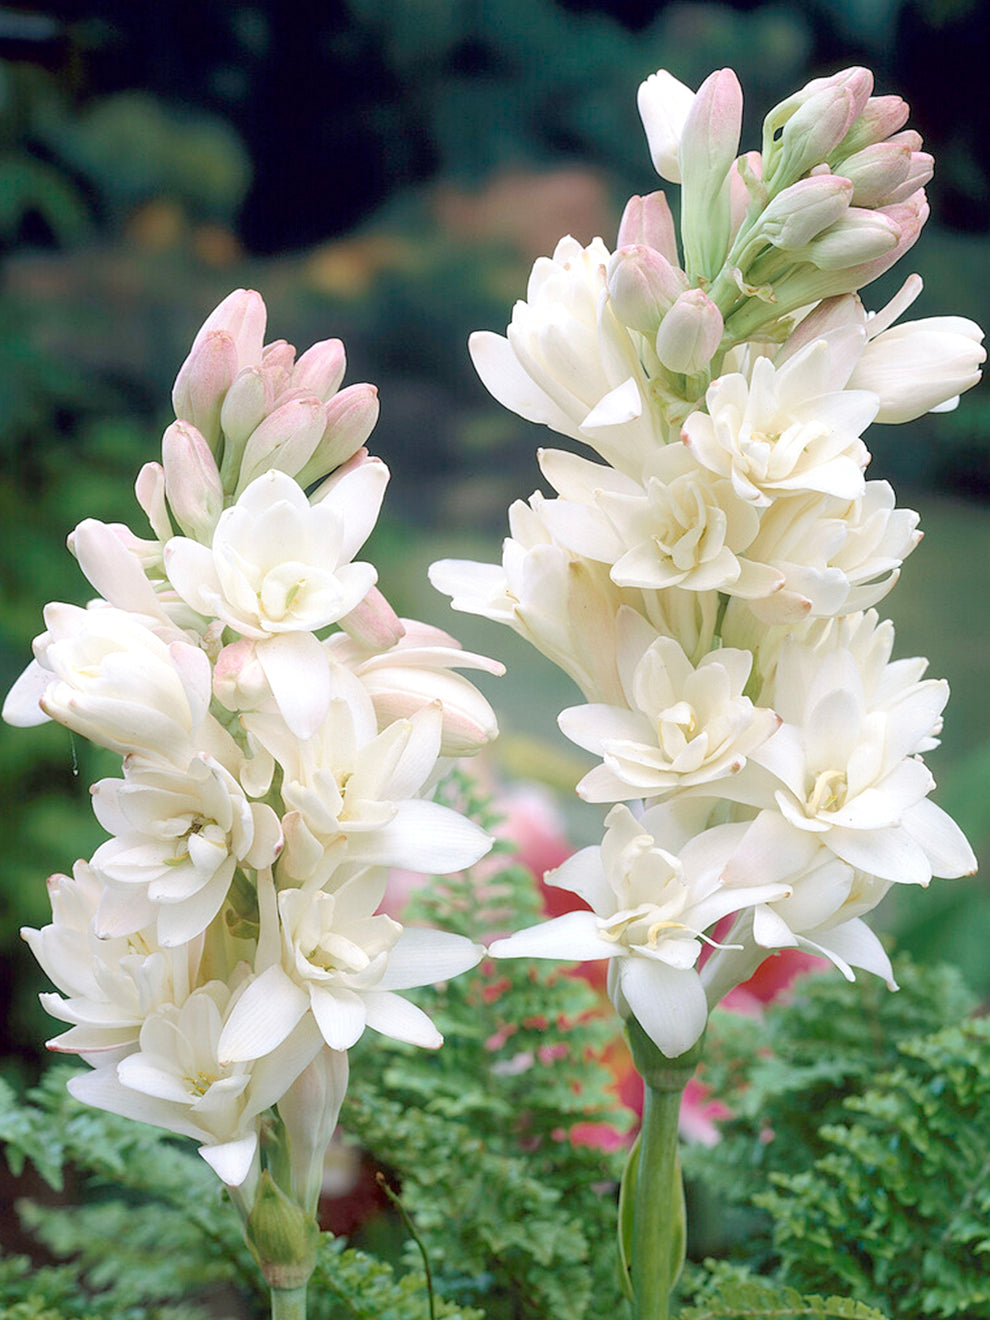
column 179, row 837
column 416, row 672
column 654, row 888
column 682, row 725
column 351, row 792
column 836, row 557
column 344, row 964
column 279, row 564
column 782, row 431
column 920, row 366
column 110, row 984
column 103, row 673
column 843, row 773
column 176, row 1080
column 568, row 362
column 682, row 526
column 556, row 599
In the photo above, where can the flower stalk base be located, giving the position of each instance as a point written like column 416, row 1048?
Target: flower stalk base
column 652, row 1219
column 289, row 1303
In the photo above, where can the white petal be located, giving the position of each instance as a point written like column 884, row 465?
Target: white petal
column 231, row 1160
column 668, row 1003
column 944, row 843
column 507, row 381
column 422, row 956
column 573, row 937
column 854, row 942
column 423, row 836
column 263, row 1016
column 295, row 665
column 340, row 1015
column 396, row 1017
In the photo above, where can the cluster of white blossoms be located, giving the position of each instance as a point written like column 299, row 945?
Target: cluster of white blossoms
column 709, row 584
column 282, row 732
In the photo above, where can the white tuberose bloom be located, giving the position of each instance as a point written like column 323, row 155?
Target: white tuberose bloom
column 843, row 774
column 683, row 725
column 279, row 564
column 344, row 963
column 352, row 791
column 782, row 431
column 179, row 838
column 104, row 674
column 176, row 1080
column 111, row 984
column 651, row 906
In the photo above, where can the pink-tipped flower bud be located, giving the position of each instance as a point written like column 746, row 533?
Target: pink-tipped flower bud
column 239, row 682
column 921, row 169
column 321, row 369
column 350, row 417
column 875, row 170
column 285, row 440
column 149, row 490
column 813, row 132
column 690, row 333
column 243, row 316
column 801, row 212
column 643, row 286
column 648, row 221
column 374, row 624
column 664, row 102
column 203, row 381
column 710, row 138
column 277, row 362
column 249, row 401
column 880, row 118
column 192, row 481
column 859, row 236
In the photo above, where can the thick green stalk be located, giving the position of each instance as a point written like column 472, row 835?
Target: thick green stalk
column 289, row 1303
column 652, row 1226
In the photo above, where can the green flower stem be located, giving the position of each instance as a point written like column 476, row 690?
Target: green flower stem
column 289, row 1303
column 652, row 1225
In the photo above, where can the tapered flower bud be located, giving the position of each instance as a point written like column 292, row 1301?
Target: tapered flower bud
column 283, row 1238
column 320, row 369
column 243, row 316
column 802, row 211
column 648, row 220
column 203, row 380
column 247, row 403
column 373, row 623
column 880, row 171
column 690, row 333
column 192, row 481
column 880, row 118
column 643, row 286
column 350, row 417
column 709, row 143
column 285, row 440
column 814, row 131
column 664, row 103
column 310, row 1109
column 859, row 236
column 149, row 490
